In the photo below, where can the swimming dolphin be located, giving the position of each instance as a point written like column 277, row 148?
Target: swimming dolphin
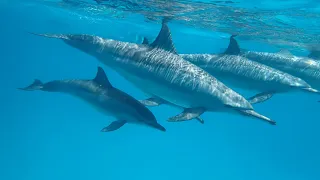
column 102, row 95
column 239, row 71
column 302, row 67
column 162, row 74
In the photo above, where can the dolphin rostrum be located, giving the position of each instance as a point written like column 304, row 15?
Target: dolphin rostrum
column 303, row 67
column 162, row 74
column 102, row 95
column 240, row 72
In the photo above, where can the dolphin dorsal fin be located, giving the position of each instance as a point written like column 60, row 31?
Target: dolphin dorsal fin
column 285, row 52
column 164, row 39
column 314, row 54
column 145, row 41
column 233, row 48
column 102, row 79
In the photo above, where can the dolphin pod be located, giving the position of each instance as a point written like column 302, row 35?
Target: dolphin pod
column 102, row 95
column 164, row 75
column 196, row 83
column 238, row 71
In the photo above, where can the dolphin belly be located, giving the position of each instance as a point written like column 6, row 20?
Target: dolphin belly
column 177, row 96
column 107, row 106
column 246, row 83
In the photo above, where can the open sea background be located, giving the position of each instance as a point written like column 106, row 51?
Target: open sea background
column 54, row 136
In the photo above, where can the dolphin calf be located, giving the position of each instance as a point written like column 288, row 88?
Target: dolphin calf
column 162, row 74
column 240, row 72
column 303, row 67
column 102, row 95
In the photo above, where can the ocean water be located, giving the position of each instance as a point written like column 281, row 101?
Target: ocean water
column 56, row 136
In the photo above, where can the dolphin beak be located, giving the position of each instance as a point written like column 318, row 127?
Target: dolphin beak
column 309, row 89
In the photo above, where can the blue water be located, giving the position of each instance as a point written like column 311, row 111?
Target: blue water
column 56, row 136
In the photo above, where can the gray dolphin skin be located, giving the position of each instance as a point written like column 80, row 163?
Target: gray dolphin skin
column 303, row 67
column 245, row 74
column 162, row 74
column 103, row 96
column 239, row 71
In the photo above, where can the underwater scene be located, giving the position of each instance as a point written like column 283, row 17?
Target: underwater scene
column 160, row 89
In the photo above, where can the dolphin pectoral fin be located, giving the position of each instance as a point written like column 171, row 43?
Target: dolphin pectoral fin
column 261, row 97
column 188, row 114
column 114, row 126
column 254, row 114
column 200, row 119
column 152, row 101
column 149, row 102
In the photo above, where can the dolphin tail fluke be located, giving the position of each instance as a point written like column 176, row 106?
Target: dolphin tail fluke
column 254, row 114
column 36, row 85
column 188, row 114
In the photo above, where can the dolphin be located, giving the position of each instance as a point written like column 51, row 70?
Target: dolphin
column 303, row 67
column 163, row 75
column 102, row 95
column 238, row 71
